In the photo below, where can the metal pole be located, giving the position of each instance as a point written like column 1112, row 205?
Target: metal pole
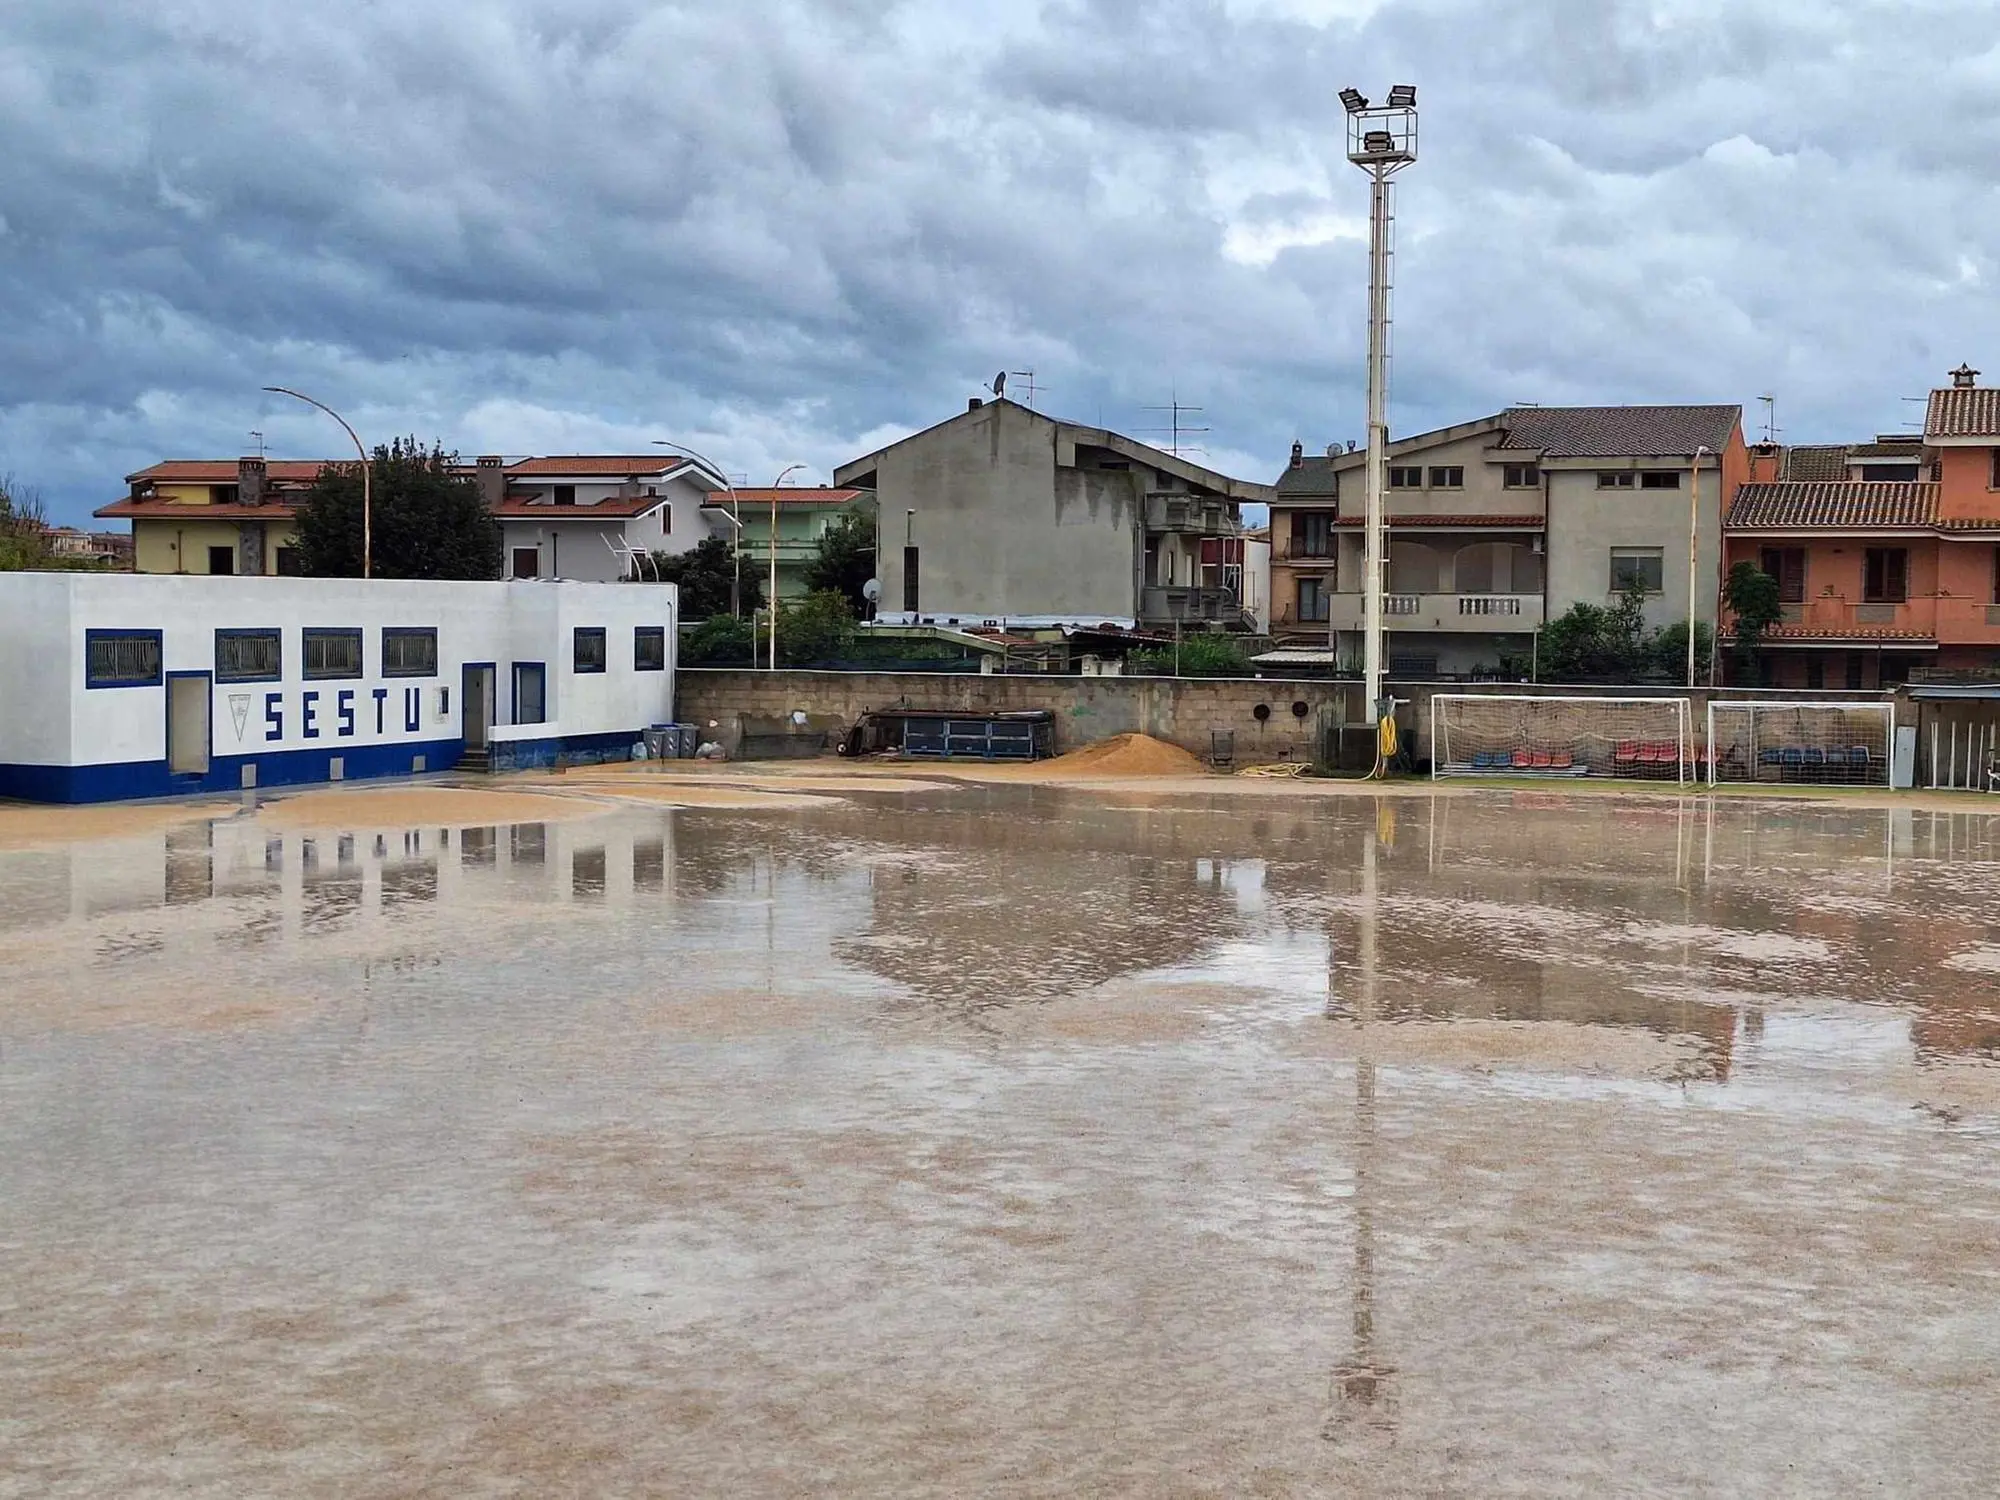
column 735, row 518
column 1694, row 540
column 1378, row 440
column 772, row 603
column 367, row 520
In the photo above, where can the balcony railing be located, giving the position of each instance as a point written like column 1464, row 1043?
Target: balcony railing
column 1834, row 616
column 1192, row 515
column 1303, row 552
column 1447, row 612
column 1163, row 605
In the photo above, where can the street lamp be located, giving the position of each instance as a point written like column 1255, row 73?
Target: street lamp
column 1381, row 141
column 788, row 469
column 736, row 520
column 367, row 519
column 1701, row 451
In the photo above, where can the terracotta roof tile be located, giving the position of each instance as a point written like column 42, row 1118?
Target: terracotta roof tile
column 595, row 465
column 1620, row 431
column 1847, row 505
column 1509, row 523
column 1315, row 476
column 223, row 470
column 799, row 494
column 1847, row 633
column 169, row 510
column 1898, row 448
column 1822, row 461
column 1964, row 411
column 621, row 508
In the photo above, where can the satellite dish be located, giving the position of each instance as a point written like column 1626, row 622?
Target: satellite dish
column 1000, row 385
column 872, row 591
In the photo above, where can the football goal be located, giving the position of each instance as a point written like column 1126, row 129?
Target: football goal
column 1818, row 744
column 1482, row 734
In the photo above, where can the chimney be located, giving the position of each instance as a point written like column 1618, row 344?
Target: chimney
column 250, row 480
column 1964, row 378
column 1298, row 454
column 491, row 473
column 973, row 403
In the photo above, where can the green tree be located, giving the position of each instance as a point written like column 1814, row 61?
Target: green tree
column 707, row 576
column 1669, row 650
column 1590, row 643
column 428, row 521
column 24, row 528
column 719, row 641
column 819, row 627
column 845, row 559
column 1207, row 654
column 1752, row 596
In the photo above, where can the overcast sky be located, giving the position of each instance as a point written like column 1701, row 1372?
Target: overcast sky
column 791, row 230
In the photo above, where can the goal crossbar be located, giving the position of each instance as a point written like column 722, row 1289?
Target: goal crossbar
column 1833, row 742
column 1556, row 736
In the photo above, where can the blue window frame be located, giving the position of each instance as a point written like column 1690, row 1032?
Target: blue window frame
column 589, row 649
column 410, row 651
column 649, row 648
column 249, row 655
column 328, row 654
column 122, row 658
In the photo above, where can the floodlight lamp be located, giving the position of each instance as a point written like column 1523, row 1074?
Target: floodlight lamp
column 1353, row 100
column 1378, row 142
column 1403, row 96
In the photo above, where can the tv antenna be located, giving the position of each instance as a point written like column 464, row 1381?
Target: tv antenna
column 257, row 438
column 1178, row 430
column 1032, row 389
column 1770, row 418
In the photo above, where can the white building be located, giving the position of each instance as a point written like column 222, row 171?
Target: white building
column 119, row 685
column 584, row 516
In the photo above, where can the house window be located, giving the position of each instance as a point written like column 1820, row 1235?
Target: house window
column 587, row 649
column 1312, row 533
column 1406, row 479
column 1885, row 575
column 331, row 653
column 1616, row 479
column 409, row 651
column 121, row 658
column 1900, row 473
column 1413, row 668
column 527, row 562
column 1854, row 660
column 1522, row 476
column 223, row 494
column 1645, row 566
column 249, row 655
column 287, row 559
column 1313, row 600
column 1447, row 476
column 1815, row 670
column 666, row 520
column 1993, row 479
column 649, row 648
column 565, row 494
column 910, row 579
column 222, row 560
column 1660, row 479
column 1788, row 566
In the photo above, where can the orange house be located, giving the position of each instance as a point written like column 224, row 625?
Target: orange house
column 1887, row 554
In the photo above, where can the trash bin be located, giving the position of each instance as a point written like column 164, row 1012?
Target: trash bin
column 661, row 741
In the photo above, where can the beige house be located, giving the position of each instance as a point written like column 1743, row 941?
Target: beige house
column 1498, row 525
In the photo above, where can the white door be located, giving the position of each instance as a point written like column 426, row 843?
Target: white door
column 188, row 697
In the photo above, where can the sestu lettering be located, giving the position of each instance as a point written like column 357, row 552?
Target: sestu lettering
column 344, row 710
column 381, row 699
column 309, row 715
column 413, row 709
column 274, row 716
column 343, row 718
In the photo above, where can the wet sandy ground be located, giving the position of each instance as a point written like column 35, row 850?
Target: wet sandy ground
column 1003, row 1139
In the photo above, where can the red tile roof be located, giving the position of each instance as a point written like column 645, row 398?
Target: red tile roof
column 1963, row 411
column 595, row 466
column 1845, row 505
column 169, row 510
column 1846, row 633
column 788, row 495
column 224, row 470
column 1816, row 462
column 1508, row 523
column 620, row 509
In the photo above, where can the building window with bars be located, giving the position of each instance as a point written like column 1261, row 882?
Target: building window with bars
column 409, row 651
column 330, row 653
column 588, row 651
column 649, row 648
column 249, row 655
column 122, row 658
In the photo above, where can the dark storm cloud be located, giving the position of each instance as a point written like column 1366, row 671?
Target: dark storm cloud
column 789, row 230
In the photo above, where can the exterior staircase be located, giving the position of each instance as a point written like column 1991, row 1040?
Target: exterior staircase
column 476, row 759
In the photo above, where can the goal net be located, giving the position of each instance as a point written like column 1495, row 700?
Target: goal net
column 1478, row 734
column 1842, row 744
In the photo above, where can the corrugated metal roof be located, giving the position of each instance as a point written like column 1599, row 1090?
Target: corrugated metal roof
column 1620, row 431
column 1848, row 505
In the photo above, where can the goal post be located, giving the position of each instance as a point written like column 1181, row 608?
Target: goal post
column 1814, row 744
column 1490, row 734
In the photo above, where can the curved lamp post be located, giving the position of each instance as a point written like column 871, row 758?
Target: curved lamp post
column 788, row 469
column 367, row 518
column 735, row 519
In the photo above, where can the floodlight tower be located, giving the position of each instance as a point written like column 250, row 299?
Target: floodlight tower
column 1381, row 140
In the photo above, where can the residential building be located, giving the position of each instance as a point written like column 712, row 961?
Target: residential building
column 578, row 516
column 804, row 514
column 1496, row 526
column 1002, row 512
column 111, row 549
column 1887, row 554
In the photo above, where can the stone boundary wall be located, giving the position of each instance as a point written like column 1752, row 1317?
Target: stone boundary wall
column 1186, row 711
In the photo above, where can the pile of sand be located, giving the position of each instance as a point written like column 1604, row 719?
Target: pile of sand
column 1124, row 755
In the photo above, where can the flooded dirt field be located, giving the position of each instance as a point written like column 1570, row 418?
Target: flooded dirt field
column 1002, row 1139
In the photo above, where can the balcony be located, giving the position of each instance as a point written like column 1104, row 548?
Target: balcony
column 1833, row 617
column 1192, row 515
column 1161, row 605
column 1305, row 554
column 1482, row 614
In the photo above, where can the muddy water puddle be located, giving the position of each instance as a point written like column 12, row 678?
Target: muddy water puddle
column 1006, row 1140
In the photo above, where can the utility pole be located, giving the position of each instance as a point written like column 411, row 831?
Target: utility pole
column 1381, row 141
